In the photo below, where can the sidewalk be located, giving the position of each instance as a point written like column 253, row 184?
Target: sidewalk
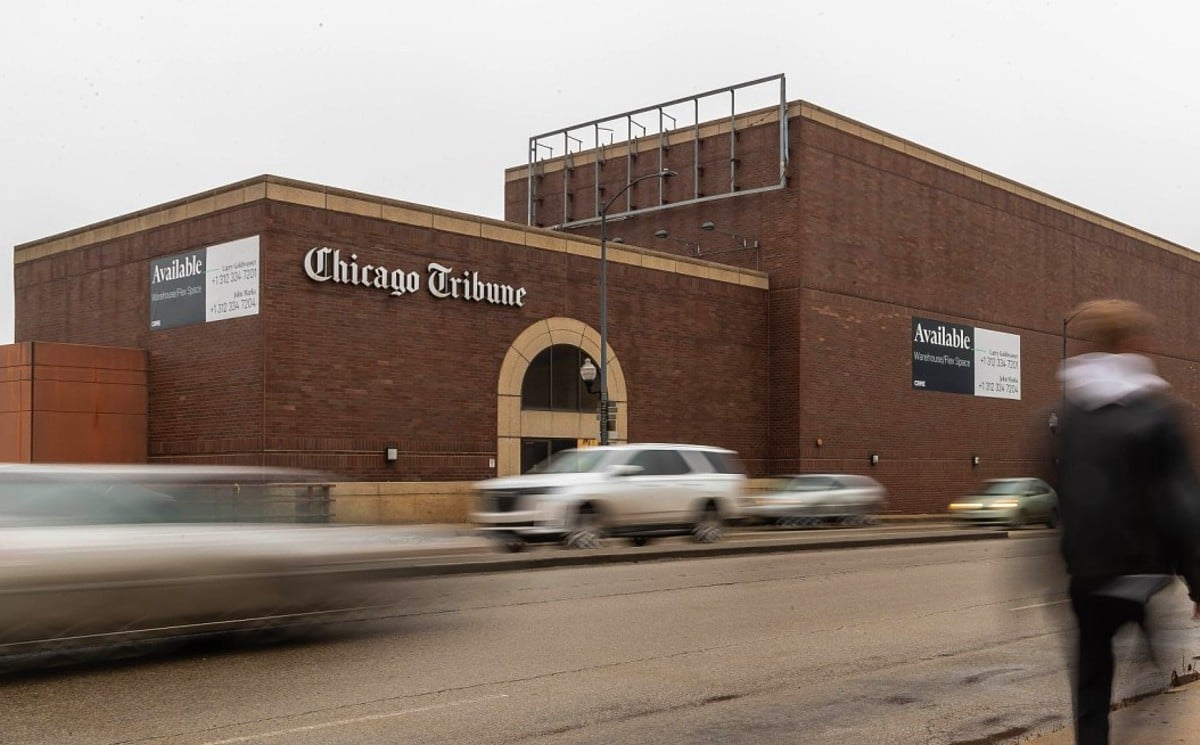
column 1170, row 718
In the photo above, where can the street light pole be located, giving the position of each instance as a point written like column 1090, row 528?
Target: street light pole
column 1062, row 406
column 665, row 173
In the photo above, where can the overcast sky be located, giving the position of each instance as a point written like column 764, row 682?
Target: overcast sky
column 115, row 106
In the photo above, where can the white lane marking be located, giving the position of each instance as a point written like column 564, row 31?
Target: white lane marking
column 352, row 720
column 1041, row 605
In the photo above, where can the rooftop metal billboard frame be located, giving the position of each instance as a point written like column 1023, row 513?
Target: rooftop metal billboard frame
column 541, row 150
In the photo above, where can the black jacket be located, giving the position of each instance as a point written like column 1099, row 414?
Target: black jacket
column 1129, row 497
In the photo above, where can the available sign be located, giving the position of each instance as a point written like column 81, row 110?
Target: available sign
column 209, row 284
column 952, row 358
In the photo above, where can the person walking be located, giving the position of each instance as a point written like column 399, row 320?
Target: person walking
column 1129, row 498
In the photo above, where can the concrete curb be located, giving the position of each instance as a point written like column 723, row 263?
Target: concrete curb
column 556, row 558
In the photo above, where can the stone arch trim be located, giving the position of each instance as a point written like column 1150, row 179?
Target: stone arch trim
column 512, row 425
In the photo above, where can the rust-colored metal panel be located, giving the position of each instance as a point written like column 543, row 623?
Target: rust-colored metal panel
column 81, row 397
column 91, row 375
column 74, row 437
column 14, row 436
column 14, row 355
column 71, row 403
column 89, row 356
column 16, row 398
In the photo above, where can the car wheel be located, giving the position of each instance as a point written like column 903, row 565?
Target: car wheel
column 709, row 528
column 1018, row 520
column 587, row 530
column 639, row 540
column 513, row 545
column 1052, row 519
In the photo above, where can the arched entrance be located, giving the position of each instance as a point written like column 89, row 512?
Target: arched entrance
column 538, row 363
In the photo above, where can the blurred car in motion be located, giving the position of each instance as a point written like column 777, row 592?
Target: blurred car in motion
column 811, row 499
column 636, row 491
column 94, row 554
column 1012, row 502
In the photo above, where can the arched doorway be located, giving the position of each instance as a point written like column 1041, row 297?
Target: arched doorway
column 542, row 404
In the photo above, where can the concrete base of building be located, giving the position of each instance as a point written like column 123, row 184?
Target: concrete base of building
column 401, row 502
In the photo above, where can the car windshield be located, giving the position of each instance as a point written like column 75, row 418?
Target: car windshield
column 571, row 461
column 1006, row 487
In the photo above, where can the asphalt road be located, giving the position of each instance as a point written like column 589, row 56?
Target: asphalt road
column 939, row 643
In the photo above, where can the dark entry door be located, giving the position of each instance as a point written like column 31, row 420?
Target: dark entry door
column 535, row 450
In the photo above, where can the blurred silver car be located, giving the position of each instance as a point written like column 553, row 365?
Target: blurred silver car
column 810, row 499
column 91, row 556
column 1013, row 503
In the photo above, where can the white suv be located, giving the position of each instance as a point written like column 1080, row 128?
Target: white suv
column 637, row 491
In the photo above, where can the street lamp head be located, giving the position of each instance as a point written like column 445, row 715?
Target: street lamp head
column 587, row 371
column 663, row 174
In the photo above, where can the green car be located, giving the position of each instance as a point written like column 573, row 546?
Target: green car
column 1009, row 502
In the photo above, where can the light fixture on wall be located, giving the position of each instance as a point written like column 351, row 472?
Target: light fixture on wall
column 1053, row 423
column 710, row 226
column 391, row 454
column 974, row 460
column 742, row 241
column 874, row 459
column 663, row 234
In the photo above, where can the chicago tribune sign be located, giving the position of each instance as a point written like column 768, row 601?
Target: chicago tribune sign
column 324, row 264
column 951, row 358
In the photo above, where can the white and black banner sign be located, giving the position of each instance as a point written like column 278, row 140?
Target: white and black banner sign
column 953, row 358
column 208, row 284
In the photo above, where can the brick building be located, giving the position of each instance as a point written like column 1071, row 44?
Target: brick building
column 815, row 323
column 380, row 326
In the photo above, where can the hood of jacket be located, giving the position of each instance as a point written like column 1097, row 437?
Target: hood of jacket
column 1098, row 379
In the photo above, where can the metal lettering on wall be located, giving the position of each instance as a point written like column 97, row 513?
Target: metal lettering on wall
column 324, row 264
column 208, row 284
column 953, row 358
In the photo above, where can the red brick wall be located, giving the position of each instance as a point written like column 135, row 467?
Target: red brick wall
column 205, row 381
column 864, row 238
column 352, row 371
column 887, row 237
column 327, row 376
